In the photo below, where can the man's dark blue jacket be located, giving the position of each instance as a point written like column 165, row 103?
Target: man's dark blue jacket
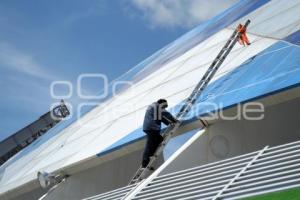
column 154, row 116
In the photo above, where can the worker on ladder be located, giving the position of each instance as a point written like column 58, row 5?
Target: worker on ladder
column 155, row 114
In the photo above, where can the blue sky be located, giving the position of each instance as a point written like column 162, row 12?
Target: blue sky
column 42, row 41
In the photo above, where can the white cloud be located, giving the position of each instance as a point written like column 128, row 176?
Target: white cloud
column 179, row 13
column 15, row 60
column 84, row 10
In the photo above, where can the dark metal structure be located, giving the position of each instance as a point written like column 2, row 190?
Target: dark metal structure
column 21, row 139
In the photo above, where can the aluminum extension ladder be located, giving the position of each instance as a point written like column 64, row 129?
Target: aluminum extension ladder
column 141, row 172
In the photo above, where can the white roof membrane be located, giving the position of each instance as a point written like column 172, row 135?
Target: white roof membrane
column 123, row 114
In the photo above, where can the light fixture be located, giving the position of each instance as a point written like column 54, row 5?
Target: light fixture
column 48, row 179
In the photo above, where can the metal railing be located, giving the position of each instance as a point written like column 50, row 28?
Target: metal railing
column 268, row 170
column 117, row 194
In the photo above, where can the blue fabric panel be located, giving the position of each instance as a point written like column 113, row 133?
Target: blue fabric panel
column 134, row 136
column 275, row 69
column 294, row 38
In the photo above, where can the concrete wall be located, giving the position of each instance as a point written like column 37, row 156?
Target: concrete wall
column 104, row 177
column 225, row 139
column 108, row 176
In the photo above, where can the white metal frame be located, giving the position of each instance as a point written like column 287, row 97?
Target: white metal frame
column 268, row 170
column 240, row 173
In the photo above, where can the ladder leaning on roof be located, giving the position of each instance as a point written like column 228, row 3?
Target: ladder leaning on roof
column 239, row 34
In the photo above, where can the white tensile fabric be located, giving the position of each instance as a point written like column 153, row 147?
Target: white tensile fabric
column 101, row 127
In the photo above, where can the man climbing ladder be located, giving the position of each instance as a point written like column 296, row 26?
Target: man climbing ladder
column 239, row 34
column 155, row 114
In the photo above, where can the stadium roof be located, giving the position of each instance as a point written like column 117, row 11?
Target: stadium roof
column 269, row 65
